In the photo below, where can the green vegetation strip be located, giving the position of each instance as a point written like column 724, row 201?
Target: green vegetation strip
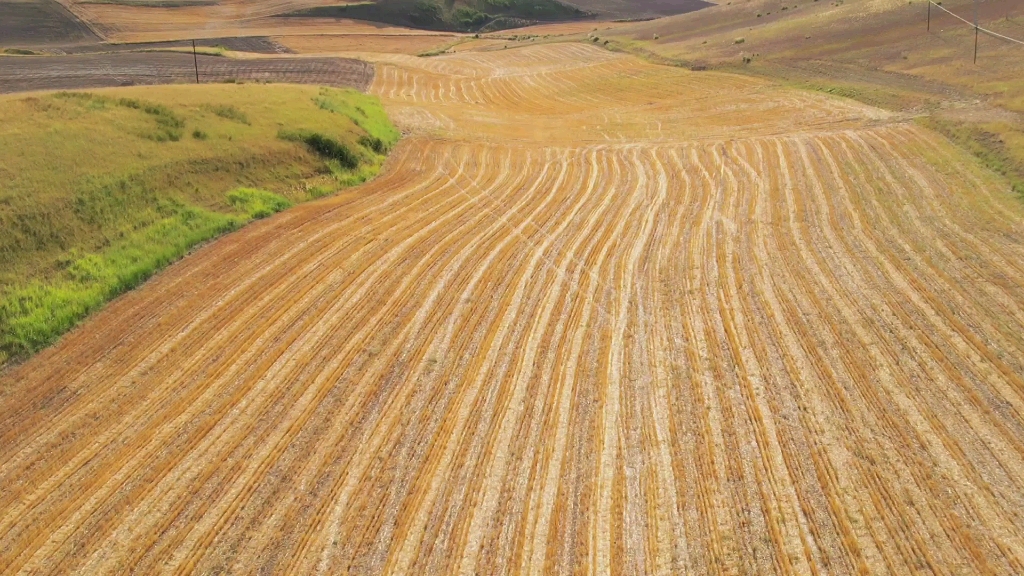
column 986, row 144
column 99, row 191
column 35, row 314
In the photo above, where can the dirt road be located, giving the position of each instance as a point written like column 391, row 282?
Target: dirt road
column 598, row 316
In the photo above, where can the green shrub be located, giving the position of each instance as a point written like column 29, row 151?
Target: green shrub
column 373, row 143
column 322, row 145
column 199, row 134
column 468, row 18
column 427, row 13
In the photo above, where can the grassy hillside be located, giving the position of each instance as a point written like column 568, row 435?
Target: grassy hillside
column 453, row 15
column 880, row 52
column 99, row 190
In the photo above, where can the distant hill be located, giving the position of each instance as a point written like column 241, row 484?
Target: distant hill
column 490, row 15
column 638, row 9
column 454, row 15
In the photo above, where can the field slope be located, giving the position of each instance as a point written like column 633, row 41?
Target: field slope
column 596, row 316
column 101, row 189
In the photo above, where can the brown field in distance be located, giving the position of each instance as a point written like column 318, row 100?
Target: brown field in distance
column 366, row 42
column 597, row 315
column 129, row 69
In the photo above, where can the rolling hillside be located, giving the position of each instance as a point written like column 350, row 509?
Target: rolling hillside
column 597, row 315
column 876, row 51
column 102, row 189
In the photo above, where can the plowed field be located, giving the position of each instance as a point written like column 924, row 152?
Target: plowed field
column 131, row 68
column 597, row 316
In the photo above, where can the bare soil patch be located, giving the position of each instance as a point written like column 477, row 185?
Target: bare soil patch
column 39, row 23
column 127, row 69
column 252, row 45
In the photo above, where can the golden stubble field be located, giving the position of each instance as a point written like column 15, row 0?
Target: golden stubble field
column 597, row 316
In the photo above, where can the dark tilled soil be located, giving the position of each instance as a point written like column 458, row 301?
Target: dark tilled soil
column 38, row 23
column 637, row 9
column 254, row 44
column 21, row 74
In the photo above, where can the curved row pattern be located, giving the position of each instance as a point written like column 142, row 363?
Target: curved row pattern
column 789, row 351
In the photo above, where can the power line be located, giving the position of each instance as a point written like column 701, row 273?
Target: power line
column 979, row 28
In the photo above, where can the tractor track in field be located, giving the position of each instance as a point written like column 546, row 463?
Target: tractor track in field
column 596, row 315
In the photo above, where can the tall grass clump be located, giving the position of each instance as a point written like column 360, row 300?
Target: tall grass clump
column 257, row 203
column 324, row 146
column 373, row 143
column 229, row 112
column 169, row 124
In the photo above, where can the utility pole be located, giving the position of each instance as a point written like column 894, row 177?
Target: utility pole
column 929, row 15
column 196, row 62
column 975, row 31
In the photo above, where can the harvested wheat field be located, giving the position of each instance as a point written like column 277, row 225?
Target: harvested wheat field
column 596, row 316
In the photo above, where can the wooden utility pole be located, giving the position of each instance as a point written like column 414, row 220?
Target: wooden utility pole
column 195, row 60
column 975, row 31
column 929, row 15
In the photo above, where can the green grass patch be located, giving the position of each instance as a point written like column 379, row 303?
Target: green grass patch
column 325, row 146
column 100, row 189
column 33, row 316
column 257, row 203
column 169, row 125
column 229, row 112
column 987, row 145
column 364, row 111
column 19, row 52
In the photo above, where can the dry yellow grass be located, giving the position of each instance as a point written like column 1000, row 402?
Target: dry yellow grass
column 598, row 316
